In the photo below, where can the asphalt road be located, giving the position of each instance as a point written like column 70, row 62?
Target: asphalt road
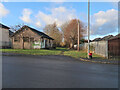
column 56, row 72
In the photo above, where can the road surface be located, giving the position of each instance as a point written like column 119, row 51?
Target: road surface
column 56, row 72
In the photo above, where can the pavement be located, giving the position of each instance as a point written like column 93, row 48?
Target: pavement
column 94, row 60
column 102, row 61
column 56, row 72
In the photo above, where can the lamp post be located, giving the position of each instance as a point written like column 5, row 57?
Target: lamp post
column 88, row 28
column 78, row 48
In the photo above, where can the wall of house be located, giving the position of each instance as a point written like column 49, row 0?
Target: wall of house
column 51, row 43
column 4, row 39
column 17, row 45
column 114, row 48
column 26, row 45
column 45, row 43
column 37, row 44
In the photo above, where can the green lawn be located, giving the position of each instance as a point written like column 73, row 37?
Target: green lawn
column 57, row 51
column 32, row 51
column 82, row 54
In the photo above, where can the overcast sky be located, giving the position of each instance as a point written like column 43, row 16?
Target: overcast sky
column 104, row 15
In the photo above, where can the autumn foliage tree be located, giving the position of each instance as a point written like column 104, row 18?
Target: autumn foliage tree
column 70, row 32
column 54, row 32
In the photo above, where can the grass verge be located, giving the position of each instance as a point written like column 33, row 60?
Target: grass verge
column 81, row 54
column 32, row 51
column 57, row 51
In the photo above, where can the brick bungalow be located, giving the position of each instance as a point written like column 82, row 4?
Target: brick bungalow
column 30, row 38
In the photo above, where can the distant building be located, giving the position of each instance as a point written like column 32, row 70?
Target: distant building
column 100, row 45
column 114, row 47
column 5, row 36
column 30, row 38
column 103, row 46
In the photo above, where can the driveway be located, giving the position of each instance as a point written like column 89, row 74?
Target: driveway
column 56, row 72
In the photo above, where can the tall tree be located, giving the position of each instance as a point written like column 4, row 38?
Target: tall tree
column 54, row 32
column 16, row 27
column 70, row 31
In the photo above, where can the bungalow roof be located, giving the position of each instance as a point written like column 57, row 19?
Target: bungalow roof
column 34, row 30
column 115, row 37
column 4, row 26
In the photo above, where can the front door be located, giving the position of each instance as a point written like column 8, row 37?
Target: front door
column 26, row 43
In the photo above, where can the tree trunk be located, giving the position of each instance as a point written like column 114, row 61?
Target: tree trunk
column 71, row 45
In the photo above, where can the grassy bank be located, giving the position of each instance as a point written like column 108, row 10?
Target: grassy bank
column 80, row 54
column 57, row 51
column 32, row 51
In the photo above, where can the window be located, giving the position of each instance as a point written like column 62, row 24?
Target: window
column 16, row 39
column 31, row 39
column 26, row 39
